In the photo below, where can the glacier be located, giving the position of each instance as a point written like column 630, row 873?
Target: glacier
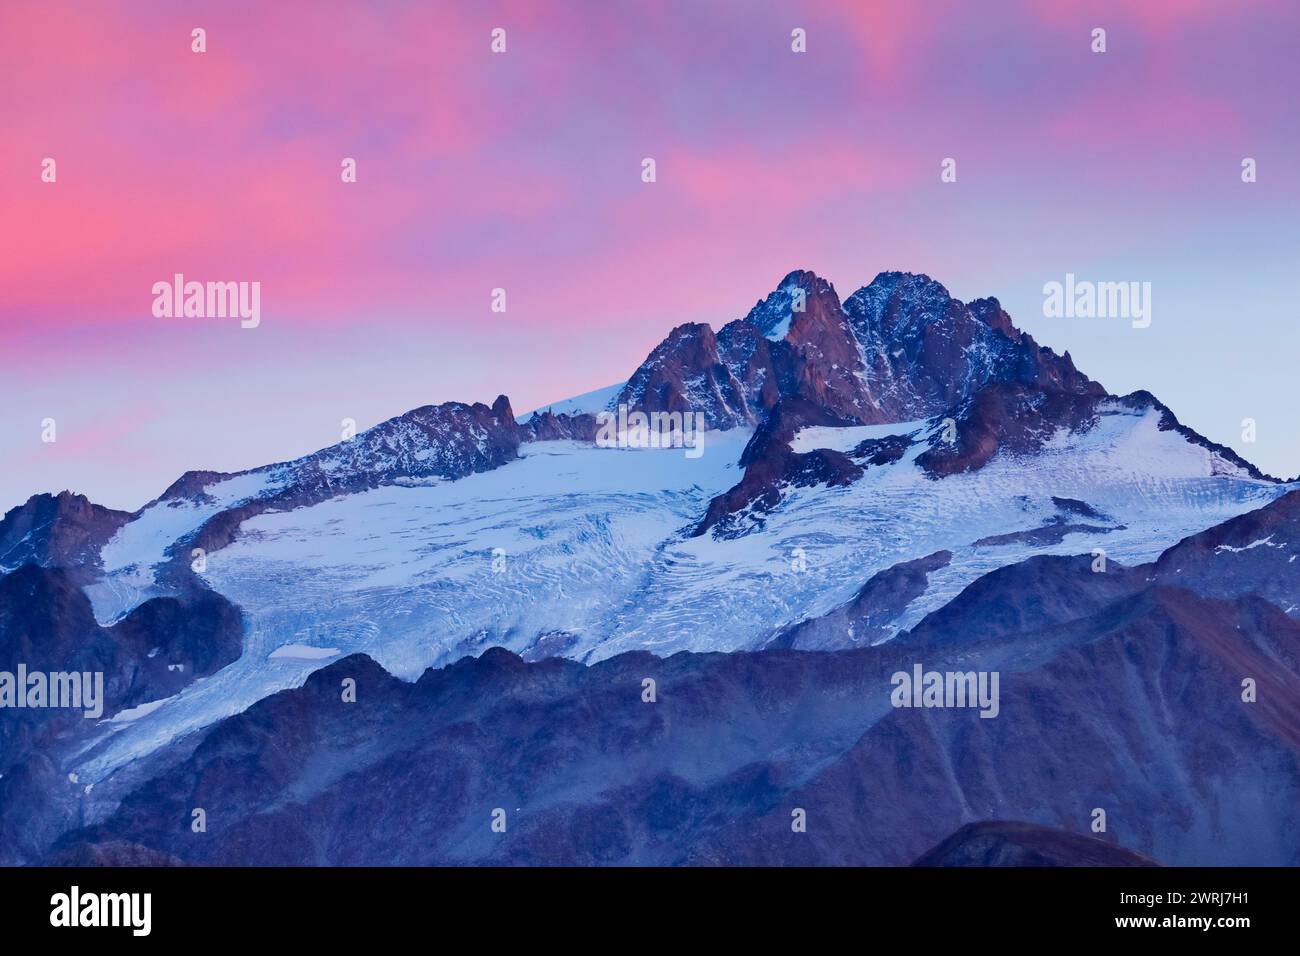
column 587, row 552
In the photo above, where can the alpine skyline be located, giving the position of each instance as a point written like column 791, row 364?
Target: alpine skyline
column 521, row 171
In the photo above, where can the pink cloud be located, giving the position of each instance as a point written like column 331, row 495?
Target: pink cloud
column 522, row 171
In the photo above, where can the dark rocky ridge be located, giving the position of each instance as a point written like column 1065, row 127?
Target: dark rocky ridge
column 805, row 378
column 686, row 373
column 1050, row 533
column 63, row 530
column 1002, row 843
column 1117, row 691
column 1169, row 422
column 1254, row 553
column 1135, row 708
column 589, row 774
column 1006, row 417
column 899, row 349
column 771, row 466
column 1018, row 419
column 1219, row 562
column 602, row 777
column 867, row 618
column 46, row 624
column 447, row 441
column 549, row 426
column 931, row 351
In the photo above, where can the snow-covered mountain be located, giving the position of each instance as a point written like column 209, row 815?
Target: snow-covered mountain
column 1120, row 691
column 63, row 530
column 901, row 348
column 867, row 461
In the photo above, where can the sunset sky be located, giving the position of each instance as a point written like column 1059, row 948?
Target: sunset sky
column 522, row 170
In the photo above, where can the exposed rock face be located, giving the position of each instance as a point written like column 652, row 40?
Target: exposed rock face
column 757, row 364
column 548, row 426
column 1255, row 553
column 685, row 373
column 771, row 466
column 114, row 853
column 63, row 530
column 1013, row 418
column 1120, row 689
column 930, row 351
column 1053, row 532
column 192, row 484
column 446, row 441
column 1017, row 418
column 882, row 451
column 434, row 441
column 1073, row 506
column 46, row 625
column 1134, row 707
column 796, row 342
column 825, row 359
column 923, row 347
column 1000, row 843
column 741, row 509
column 869, row 616
column 899, row 349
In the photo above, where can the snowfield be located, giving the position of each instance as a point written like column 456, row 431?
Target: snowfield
column 139, row 546
column 586, row 403
column 586, row 552
column 846, row 439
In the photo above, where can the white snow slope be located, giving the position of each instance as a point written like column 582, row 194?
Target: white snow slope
column 585, row 552
column 588, row 402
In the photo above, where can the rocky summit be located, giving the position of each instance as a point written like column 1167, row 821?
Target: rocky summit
column 922, row 593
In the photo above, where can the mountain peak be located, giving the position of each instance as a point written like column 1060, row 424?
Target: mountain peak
column 56, row 530
column 773, row 316
column 989, row 311
column 912, row 286
column 502, row 411
column 901, row 299
column 898, row 349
